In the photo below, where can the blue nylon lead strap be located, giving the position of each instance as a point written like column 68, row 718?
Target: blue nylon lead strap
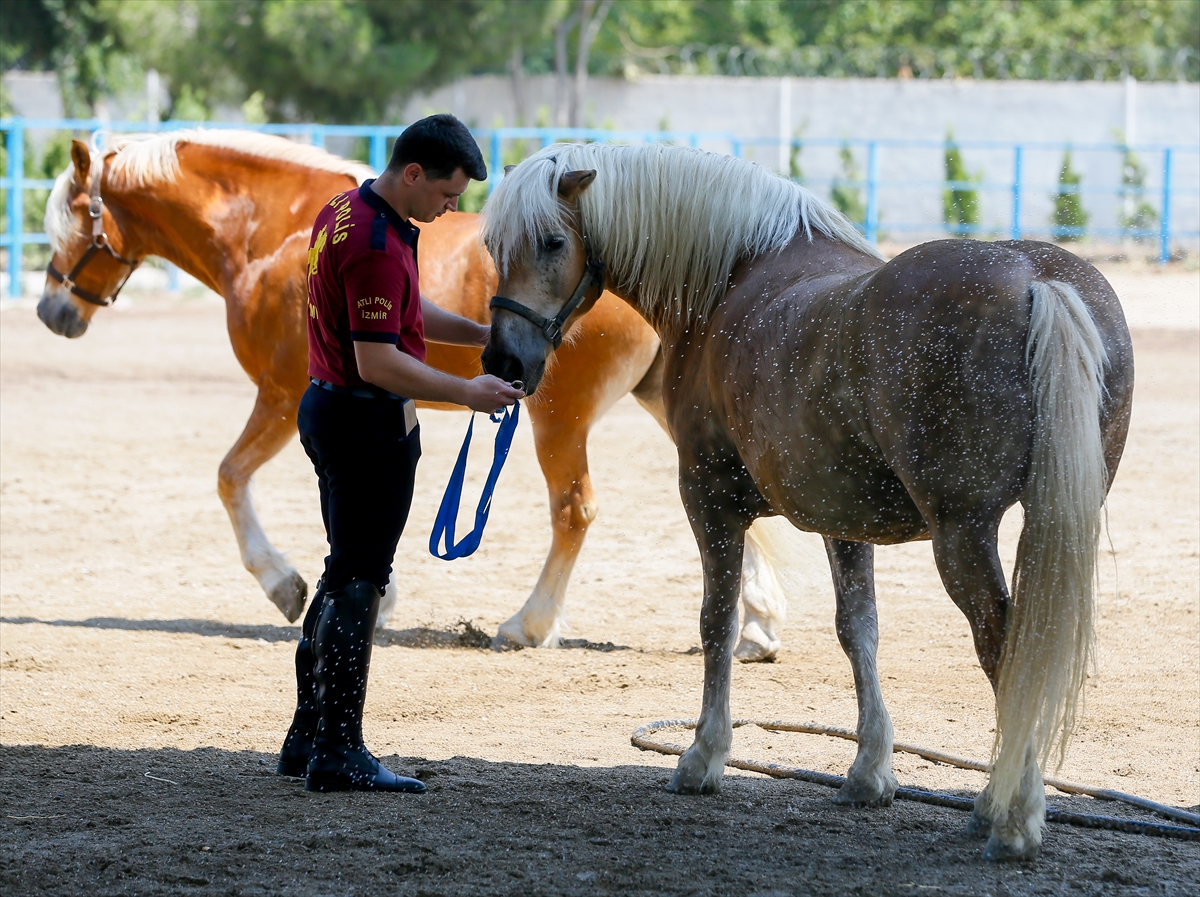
column 443, row 526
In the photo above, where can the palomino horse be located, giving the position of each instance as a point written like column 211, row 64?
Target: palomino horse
column 235, row 210
column 872, row 403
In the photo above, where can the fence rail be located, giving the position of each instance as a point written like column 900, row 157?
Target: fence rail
column 502, row 143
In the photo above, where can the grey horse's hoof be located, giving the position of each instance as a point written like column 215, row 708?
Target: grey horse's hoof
column 998, row 851
column 289, row 596
column 863, row 794
column 693, row 776
column 979, row 827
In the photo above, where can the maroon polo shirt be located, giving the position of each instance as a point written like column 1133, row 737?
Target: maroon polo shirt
column 362, row 285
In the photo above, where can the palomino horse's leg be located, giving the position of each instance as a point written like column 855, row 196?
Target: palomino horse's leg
column 870, row 782
column 562, row 452
column 721, row 537
column 764, row 605
column 971, row 571
column 271, row 425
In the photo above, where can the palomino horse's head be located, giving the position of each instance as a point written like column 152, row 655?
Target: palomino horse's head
column 92, row 256
column 546, row 285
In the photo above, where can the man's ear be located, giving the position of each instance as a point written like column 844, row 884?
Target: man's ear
column 412, row 172
column 81, row 158
column 573, row 183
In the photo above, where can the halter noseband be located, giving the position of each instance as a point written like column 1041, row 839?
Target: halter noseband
column 551, row 328
column 99, row 242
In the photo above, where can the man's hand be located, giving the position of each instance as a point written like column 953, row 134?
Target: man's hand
column 487, row 394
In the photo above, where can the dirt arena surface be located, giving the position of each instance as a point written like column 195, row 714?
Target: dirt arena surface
column 146, row 682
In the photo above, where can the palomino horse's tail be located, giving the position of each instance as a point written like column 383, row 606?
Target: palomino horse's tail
column 1048, row 641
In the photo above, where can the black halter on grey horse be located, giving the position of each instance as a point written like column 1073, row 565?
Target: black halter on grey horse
column 870, row 402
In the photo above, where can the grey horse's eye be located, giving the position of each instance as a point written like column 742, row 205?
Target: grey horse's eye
column 553, row 244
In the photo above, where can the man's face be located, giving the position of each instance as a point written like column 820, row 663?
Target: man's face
column 433, row 198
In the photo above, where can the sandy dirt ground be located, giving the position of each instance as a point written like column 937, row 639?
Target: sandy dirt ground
column 146, row 682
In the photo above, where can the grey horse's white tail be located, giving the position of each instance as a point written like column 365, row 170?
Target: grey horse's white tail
column 1049, row 636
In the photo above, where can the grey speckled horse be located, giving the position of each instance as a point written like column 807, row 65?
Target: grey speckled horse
column 871, row 403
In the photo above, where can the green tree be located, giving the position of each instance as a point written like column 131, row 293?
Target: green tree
column 960, row 201
column 846, row 193
column 1069, row 219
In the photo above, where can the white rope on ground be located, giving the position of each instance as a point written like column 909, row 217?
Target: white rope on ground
column 641, row 739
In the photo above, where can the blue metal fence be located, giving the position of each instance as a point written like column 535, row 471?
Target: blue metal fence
column 496, row 141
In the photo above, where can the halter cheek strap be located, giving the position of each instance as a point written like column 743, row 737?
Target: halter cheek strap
column 99, row 242
column 552, row 328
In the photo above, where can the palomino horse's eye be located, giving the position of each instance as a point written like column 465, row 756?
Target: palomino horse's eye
column 553, row 244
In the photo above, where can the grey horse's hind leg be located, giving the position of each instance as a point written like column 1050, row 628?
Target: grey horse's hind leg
column 969, row 564
column 870, row 782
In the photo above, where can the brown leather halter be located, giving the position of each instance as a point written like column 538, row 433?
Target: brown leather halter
column 99, row 242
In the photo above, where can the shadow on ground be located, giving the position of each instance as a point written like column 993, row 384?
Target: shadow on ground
column 464, row 634
column 88, row 820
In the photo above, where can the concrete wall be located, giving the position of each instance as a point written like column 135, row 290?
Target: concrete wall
column 870, row 108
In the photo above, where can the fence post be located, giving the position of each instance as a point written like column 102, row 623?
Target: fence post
column 736, row 146
column 16, row 205
column 1015, row 233
column 378, row 151
column 871, row 225
column 318, row 137
column 497, row 161
column 1164, row 238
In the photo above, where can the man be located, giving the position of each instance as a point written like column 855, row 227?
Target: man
column 367, row 326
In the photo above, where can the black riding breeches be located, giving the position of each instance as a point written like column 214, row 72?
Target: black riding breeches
column 365, row 467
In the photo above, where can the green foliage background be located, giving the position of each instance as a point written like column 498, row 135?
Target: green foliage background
column 353, row 60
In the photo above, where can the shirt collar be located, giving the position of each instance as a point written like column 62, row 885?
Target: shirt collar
column 407, row 231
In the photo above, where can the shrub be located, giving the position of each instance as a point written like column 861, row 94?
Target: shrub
column 960, row 202
column 1069, row 219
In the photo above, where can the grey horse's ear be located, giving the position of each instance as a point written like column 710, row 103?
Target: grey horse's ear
column 508, row 169
column 572, row 183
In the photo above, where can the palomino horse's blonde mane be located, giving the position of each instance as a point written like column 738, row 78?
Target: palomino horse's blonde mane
column 144, row 160
column 670, row 221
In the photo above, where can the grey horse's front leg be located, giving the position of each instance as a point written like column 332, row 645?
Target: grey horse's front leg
column 720, row 534
column 870, row 781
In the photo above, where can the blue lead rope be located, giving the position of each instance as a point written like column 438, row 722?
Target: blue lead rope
column 443, row 526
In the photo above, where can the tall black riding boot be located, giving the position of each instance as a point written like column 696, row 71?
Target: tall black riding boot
column 293, row 758
column 339, row 760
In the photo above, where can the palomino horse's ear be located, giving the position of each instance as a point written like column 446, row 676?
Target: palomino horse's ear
column 508, row 169
column 82, row 160
column 573, row 183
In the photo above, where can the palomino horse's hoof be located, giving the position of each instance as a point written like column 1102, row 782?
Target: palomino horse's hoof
column 288, row 595
column 755, row 646
column 501, row 642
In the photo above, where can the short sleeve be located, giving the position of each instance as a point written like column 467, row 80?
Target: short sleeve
column 376, row 284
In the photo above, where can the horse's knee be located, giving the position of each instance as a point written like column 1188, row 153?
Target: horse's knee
column 231, row 481
column 576, row 509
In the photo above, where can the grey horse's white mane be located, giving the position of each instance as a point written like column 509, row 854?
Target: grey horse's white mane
column 144, row 160
column 671, row 221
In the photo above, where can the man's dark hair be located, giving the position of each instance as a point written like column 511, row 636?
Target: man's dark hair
column 440, row 144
